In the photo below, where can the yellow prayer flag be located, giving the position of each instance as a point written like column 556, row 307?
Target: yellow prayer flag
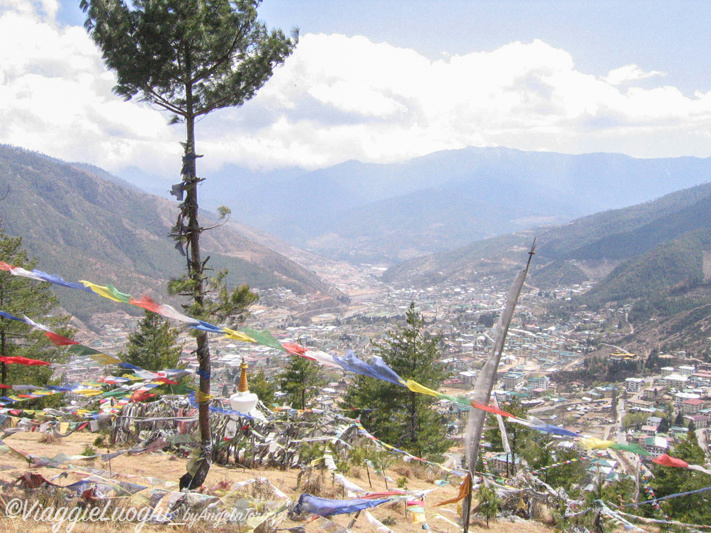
column 593, row 443
column 101, row 291
column 105, row 359
column 90, row 392
column 237, row 335
column 416, row 387
column 201, row 397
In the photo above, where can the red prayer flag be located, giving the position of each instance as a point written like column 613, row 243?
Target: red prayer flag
column 3, row 386
column 166, row 381
column 140, row 396
column 147, row 303
column 294, row 348
column 666, row 460
column 491, row 410
column 58, row 340
column 17, row 360
column 5, row 266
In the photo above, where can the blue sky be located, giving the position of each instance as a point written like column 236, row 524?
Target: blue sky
column 384, row 81
column 600, row 34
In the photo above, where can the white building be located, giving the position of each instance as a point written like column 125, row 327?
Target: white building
column 634, row 384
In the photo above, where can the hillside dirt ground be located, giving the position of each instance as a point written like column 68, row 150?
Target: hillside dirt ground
column 167, row 467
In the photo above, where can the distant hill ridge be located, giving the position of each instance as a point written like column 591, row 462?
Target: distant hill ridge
column 83, row 226
column 394, row 212
column 630, row 252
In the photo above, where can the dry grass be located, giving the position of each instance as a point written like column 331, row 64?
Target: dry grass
column 156, row 469
column 48, row 438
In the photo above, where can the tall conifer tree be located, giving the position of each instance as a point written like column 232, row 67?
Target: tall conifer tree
column 20, row 297
column 189, row 57
column 154, row 345
column 395, row 414
column 300, row 381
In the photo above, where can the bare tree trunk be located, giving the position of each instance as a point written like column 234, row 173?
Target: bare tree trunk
column 195, row 273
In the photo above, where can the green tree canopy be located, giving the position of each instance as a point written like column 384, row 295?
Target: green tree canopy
column 395, row 414
column 20, row 297
column 693, row 508
column 189, row 57
column 300, row 381
column 263, row 387
column 154, row 345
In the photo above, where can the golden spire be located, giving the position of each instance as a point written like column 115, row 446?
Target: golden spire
column 243, row 387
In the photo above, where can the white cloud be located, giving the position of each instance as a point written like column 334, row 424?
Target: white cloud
column 630, row 73
column 339, row 98
column 55, row 96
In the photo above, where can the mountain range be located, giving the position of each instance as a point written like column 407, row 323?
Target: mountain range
column 82, row 223
column 390, row 213
column 630, row 252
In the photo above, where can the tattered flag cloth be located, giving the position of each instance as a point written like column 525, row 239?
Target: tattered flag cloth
column 324, row 507
column 666, row 460
column 377, row 369
column 464, row 490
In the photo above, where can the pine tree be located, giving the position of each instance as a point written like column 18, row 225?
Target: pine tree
column 694, row 508
column 189, row 57
column 300, row 381
column 395, row 414
column 20, row 297
column 265, row 389
column 154, row 345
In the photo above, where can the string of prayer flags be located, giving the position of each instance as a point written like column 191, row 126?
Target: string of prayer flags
column 376, row 369
column 554, row 465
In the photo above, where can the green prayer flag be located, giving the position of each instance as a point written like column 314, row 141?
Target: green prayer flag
column 632, row 448
column 78, row 349
column 120, row 296
column 264, row 338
